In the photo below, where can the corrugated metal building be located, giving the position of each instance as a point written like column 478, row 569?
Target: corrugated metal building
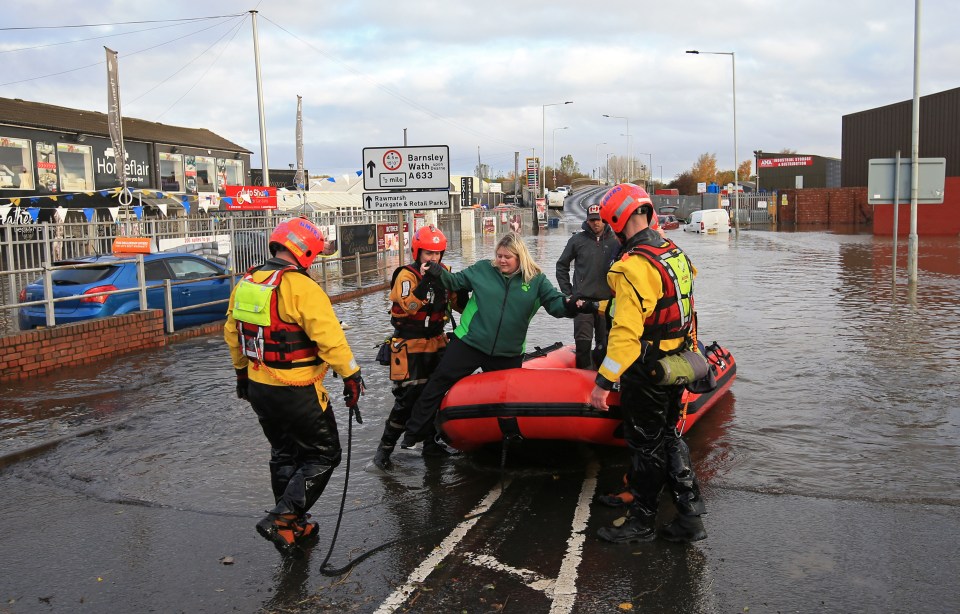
column 880, row 132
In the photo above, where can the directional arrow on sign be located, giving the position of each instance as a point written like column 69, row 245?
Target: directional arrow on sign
column 369, row 200
column 371, row 166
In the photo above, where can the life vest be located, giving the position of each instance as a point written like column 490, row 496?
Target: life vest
column 426, row 322
column 672, row 317
column 264, row 337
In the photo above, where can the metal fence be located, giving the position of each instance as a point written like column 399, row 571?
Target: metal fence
column 753, row 208
column 236, row 242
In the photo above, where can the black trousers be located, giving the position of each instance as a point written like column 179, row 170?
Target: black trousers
column 658, row 456
column 304, row 443
column 406, row 393
column 459, row 361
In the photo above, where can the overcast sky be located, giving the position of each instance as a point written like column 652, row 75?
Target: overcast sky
column 477, row 74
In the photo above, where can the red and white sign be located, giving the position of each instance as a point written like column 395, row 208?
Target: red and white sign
column 250, row 198
column 778, row 162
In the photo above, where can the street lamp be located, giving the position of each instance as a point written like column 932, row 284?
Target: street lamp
column 736, row 179
column 649, row 168
column 606, row 169
column 629, row 160
column 661, row 174
column 543, row 138
column 598, row 160
column 554, row 156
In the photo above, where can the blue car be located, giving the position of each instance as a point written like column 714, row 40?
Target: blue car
column 111, row 273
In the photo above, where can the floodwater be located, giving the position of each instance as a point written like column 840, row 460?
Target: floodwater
column 848, row 393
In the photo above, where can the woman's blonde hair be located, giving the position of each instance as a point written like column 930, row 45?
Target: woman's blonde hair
column 514, row 243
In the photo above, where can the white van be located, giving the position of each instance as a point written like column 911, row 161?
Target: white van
column 710, row 221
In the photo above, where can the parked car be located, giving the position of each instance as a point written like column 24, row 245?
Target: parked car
column 669, row 222
column 112, row 273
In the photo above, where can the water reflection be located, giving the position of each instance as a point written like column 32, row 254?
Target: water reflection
column 847, row 388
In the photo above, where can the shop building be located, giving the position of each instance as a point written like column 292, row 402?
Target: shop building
column 48, row 152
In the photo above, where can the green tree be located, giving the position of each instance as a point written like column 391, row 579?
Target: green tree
column 705, row 168
column 685, row 183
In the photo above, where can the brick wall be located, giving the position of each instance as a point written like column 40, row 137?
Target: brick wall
column 36, row 352
column 824, row 206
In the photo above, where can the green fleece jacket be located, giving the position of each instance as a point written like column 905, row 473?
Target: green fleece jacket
column 500, row 308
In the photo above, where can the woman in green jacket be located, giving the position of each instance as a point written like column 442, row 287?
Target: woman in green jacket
column 505, row 294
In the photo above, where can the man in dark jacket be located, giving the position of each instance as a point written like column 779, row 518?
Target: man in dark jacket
column 593, row 251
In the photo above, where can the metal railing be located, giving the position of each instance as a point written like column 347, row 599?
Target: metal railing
column 325, row 271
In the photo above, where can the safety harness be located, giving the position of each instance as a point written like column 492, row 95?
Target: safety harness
column 264, row 336
column 426, row 322
column 673, row 315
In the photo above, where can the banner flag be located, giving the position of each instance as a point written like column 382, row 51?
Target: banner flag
column 88, row 212
column 114, row 119
column 114, row 212
column 4, row 210
column 138, row 211
column 163, row 208
column 299, row 180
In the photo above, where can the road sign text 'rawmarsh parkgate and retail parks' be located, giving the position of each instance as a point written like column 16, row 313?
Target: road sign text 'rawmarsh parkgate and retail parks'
column 406, row 178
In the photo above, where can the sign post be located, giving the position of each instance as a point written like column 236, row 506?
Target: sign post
column 406, row 178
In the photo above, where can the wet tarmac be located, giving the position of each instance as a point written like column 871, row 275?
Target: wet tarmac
column 829, row 471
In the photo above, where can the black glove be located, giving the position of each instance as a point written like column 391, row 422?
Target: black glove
column 433, row 271
column 589, row 307
column 425, row 286
column 570, row 306
column 352, row 389
column 242, row 381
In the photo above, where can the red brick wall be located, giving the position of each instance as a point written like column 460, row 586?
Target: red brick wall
column 940, row 220
column 36, row 352
column 824, row 206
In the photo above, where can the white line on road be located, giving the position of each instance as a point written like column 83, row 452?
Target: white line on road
column 565, row 589
column 400, row 595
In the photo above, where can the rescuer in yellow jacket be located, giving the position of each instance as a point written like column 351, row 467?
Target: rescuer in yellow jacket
column 283, row 335
column 652, row 318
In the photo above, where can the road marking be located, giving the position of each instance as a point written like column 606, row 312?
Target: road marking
column 562, row 591
column 398, row 597
column 565, row 591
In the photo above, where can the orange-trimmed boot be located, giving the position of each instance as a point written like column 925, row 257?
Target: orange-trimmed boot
column 281, row 530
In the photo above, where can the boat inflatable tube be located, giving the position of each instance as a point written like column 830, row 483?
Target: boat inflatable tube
column 680, row 369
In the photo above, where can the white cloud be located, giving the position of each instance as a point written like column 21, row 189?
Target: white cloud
column 476, row 75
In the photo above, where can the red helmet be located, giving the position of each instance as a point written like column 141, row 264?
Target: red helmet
column 429, row 238
column 622, row 201
column 300, row 238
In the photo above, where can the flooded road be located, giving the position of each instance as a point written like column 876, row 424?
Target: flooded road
column 829, row 471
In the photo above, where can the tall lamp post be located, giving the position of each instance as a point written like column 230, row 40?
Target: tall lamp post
column 543, row 143
column 736, row 179
column 756, row 156
column 661, row 174
column 606, row 169
column 554, row 156
column 649, row 168
column 598, row 160
column 629, row 160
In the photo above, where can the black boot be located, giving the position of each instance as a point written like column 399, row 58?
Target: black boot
column 684, row 529
column 636, row 529
column 382, row 458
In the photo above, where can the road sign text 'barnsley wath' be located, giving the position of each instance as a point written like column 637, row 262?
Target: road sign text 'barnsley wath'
column 406, row 168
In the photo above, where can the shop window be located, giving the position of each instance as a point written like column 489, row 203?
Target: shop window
column 171, row 173
column 230, row 172
column 76, row 167
column 206, row 173
column 16, row 164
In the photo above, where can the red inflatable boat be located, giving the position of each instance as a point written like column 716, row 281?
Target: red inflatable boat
column 550, row 399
